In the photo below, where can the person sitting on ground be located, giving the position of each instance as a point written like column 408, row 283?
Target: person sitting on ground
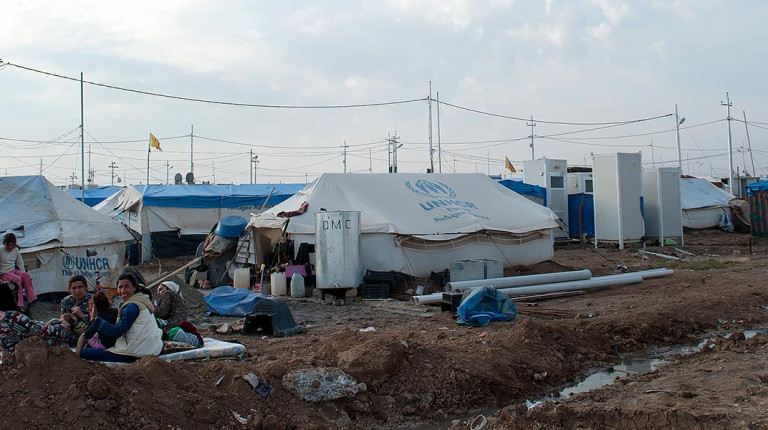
column 136, row 329
column 99, row 306
column 12, row 269
column 76, row 303
column 170, row 305
column 16, row 326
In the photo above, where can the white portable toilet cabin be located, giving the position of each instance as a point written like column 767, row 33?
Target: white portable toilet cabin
column 618, row 190
column 552, row 175
column 580, row 183
column 662, row 207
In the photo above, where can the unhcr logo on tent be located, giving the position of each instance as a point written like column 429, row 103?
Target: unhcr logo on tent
column 431, row 189
column 442, row 200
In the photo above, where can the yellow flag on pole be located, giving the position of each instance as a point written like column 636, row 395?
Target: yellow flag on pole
column 154, row 143
column 509, row 165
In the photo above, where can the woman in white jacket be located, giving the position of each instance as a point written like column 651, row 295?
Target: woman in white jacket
column 136, row 330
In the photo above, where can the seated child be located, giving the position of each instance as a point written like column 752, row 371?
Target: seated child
column 99, row 305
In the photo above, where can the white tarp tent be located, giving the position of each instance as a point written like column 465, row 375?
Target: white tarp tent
column 58, row 235
column 417, row 223
column 703, row 203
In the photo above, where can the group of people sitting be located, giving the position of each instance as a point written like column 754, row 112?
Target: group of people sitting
column 99, row 331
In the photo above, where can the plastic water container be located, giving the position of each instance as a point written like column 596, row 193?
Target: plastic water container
column 242, row 278
column 279, row 286
column 297, row 285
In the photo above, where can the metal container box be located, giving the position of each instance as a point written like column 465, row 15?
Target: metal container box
column 552, row 175
column 337, row 249
column 580, row 183
column 492, row 269
column 618, row 192
column 661, row 204
column 467, row 270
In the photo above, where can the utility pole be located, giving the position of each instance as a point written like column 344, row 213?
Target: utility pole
column 728, row 105
column 255, row 161
column 213, row 169
column 41, row 167
column 370, row 160
column 394, row 146
column 345, row 146
column 431, row 151
column 749, row 143
column 192, row 150
column 678, row 121
column 532, row 124
column 82, row 140
column 653, row 161
column 439, row 150
column 113, row 166
column 167, row 173
column 250, row 165
column 90, row 172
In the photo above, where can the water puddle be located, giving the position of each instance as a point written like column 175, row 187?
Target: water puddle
column 630, row 364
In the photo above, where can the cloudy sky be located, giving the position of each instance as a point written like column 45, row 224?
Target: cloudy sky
column 588, row 71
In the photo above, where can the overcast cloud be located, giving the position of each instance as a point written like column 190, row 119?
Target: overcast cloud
column 585, row 61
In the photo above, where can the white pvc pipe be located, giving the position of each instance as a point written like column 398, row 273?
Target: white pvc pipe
column 596, row 282
column 427, row 299
column 600, row 282
column 519, row 281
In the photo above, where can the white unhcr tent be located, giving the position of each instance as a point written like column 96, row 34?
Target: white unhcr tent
column 58, row 235
column 417, row 223
column 703, row 203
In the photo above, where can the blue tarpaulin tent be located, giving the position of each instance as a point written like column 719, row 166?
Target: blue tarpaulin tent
column 96, row 195
column 173, row 219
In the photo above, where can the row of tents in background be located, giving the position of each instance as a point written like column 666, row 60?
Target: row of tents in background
column 413, row 223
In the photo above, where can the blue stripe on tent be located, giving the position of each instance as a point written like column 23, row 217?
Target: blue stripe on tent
column 215, row 196
column 96, row 195
column 525, row 189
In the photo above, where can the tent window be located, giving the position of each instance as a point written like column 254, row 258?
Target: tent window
column 557, row 182
column 588, row 186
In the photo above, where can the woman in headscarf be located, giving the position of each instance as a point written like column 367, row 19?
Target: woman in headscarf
column 170, row 305
column 76, row 303
column 136, row 330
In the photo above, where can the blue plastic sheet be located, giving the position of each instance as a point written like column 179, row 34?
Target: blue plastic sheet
column 232, row 301
column 526, row 189
column 485, row 305
column 215, row 196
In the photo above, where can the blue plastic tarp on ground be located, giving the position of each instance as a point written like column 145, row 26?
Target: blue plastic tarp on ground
column 485, row 305
column 526, row 189
column 232, row 301
column 215, row 196
column 584, row 203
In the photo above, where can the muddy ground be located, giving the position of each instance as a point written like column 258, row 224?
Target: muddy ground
column 419, row 369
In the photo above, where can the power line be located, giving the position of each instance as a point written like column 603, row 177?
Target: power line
column 216, row 102
column 555, row 122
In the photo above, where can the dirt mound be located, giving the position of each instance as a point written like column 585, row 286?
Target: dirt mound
column 150, row 394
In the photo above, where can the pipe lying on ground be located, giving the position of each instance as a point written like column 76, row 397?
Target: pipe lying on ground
column 519, row 281
column 597, row 282
column 427, row 299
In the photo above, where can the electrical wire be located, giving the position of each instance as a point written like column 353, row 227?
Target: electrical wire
column 216, row 102
column 554, row 122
